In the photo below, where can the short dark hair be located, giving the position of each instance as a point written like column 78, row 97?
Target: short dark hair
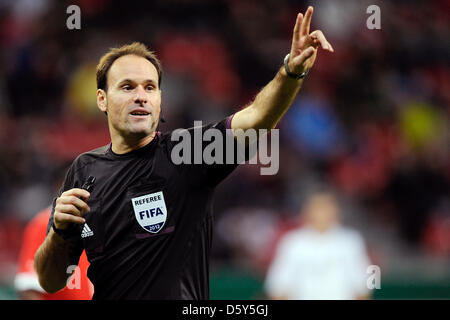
column 136, row 48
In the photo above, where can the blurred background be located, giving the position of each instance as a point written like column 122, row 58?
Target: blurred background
column 371, row 122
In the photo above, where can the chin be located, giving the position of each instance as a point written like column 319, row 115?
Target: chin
column 139, row 130
column 142, row 131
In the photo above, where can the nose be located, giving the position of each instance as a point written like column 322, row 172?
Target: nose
column 141, row 95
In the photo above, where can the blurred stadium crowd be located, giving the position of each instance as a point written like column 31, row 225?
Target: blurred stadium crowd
column 371, row 121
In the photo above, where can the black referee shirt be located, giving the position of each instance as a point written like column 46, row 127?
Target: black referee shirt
column 148, row 234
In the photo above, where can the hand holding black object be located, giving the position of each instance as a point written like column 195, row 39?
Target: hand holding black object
column 69, row 209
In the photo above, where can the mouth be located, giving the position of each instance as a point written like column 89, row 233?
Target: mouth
column 140, row 113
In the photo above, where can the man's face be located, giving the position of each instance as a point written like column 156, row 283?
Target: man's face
column 133, row 98
column 322, row 212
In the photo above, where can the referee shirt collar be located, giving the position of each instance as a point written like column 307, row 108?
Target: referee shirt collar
column 141, row 151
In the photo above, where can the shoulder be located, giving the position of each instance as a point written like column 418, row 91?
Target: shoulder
column 350, row 236
column 171, row 138
column 90, row 156
column 82, row 161
column 293, row 237
column 221, row 125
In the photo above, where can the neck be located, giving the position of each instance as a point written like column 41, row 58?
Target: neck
column 121, row 145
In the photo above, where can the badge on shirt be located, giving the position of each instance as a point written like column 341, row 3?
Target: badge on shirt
column 150, row 211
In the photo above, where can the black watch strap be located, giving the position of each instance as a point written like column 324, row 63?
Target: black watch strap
column 288, row 71
column 67, row 234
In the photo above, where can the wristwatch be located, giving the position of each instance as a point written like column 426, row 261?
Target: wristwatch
column 289, row 73
column 67, row 234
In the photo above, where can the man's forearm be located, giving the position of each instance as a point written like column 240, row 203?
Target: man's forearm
column 51, row 262
column 270, row 104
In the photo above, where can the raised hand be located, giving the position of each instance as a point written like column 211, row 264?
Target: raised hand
column 305, row 45
column 70, row 208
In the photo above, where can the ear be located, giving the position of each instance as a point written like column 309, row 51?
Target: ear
column 102, row 103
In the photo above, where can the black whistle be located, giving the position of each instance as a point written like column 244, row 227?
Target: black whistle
column 89, row 184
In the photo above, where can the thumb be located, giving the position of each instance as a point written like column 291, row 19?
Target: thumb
column 305, row 55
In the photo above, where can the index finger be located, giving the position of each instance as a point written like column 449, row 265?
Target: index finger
column 306, row 23
column 77, row 192
column 319, row 36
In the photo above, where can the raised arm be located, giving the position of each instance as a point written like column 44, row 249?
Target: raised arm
column 277, row 96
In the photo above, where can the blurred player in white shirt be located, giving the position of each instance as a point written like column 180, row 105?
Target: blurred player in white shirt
column 320, row 260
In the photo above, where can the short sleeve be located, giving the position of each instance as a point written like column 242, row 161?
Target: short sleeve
column 211, row 150
column 232, row 153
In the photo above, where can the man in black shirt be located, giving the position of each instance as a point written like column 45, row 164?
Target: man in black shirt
column 144, row 221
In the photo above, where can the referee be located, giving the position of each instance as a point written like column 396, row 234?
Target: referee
column 145, row 222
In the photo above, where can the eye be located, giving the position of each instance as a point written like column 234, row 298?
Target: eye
column 149, row 87
column 127, row 87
